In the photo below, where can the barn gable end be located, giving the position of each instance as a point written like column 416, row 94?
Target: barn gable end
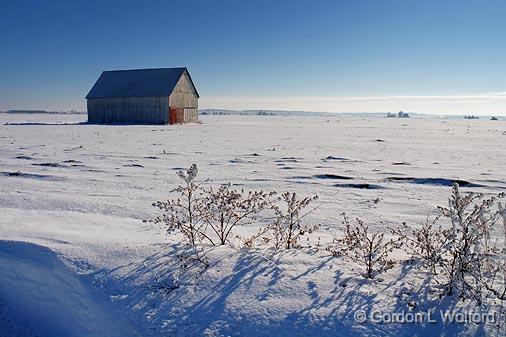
column 185, row 96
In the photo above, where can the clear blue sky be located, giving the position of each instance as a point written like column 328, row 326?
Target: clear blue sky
column 445, row 56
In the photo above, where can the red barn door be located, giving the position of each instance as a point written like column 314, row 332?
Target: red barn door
column 176, row 115
column 172, row 115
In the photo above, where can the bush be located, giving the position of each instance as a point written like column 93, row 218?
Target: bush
column 496, row 263
column 425, row 243
column 371, row 250
column 207, row 215
column 459, row 253
column 227, row 208
column 455, row 247
column 468, row 250
column 289, row 226
column 186, row 214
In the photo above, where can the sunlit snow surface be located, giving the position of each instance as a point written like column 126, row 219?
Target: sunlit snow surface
column 82, row 190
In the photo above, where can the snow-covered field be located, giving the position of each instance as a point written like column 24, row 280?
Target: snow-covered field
column 76, row 256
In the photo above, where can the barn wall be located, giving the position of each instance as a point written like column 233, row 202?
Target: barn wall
column 185, row 96
column 142, row 110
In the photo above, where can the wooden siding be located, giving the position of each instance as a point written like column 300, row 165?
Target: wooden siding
column 185, row 96
column 141, row 110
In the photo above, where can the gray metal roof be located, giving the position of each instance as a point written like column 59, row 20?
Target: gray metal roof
column 137, row 83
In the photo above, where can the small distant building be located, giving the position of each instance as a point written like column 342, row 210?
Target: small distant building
column 143, row 96
column 400, row 114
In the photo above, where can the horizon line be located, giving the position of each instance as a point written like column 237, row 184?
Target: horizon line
column 484, row 103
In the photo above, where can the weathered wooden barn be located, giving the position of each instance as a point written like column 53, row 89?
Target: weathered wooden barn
column 143, row 96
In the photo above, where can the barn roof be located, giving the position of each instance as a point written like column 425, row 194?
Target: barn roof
column 137, row 83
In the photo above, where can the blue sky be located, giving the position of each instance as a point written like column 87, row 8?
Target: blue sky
column 426, row 56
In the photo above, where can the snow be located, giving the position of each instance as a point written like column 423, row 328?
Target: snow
column 54, row 300
column 78, row 260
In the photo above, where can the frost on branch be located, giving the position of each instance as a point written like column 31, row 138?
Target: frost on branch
column 190, row 175
column 227, row 208
column 425, row 243
column 456, row 246
column 187, row 213
column 288, row 227
column 495, row 265
column 370, row 250
column 468, row 260
column 207, row 215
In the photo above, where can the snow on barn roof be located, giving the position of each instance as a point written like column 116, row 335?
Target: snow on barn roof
column 137, row 83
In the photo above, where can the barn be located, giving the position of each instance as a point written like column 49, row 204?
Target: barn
column 143, row 96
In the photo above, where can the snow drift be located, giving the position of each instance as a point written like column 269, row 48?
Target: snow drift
column 47, row 298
